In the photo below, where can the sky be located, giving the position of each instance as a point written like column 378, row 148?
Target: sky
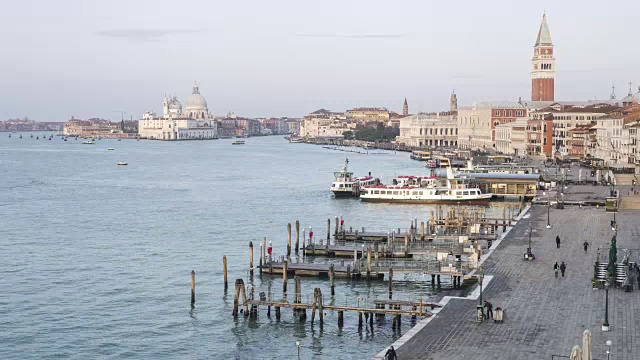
column 88, row 59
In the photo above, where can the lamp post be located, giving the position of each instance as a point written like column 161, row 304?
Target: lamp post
column 605, row 326
column 480, row 306
column 608, row 348
column 548, row 213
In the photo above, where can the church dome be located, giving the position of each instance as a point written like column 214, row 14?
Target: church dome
column 195, row 100
column 175, row 105
column 636, row 97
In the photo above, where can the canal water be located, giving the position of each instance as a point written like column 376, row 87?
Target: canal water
column 96, row 257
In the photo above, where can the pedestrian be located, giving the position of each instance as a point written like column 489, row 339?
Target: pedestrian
column 556, row 268
column 489, row 307
column 391, row 354
column 558, row 241
column 563, row 267
column 585, row 245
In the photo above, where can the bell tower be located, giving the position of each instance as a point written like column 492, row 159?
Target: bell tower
column 405, row 107
column 544, row 65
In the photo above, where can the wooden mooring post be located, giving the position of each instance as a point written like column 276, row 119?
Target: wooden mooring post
column 251, row 258
column 341, row 319
column 193, row 287
column 241, row 294
column 422, row 230
column 224, row 269
column 390, row 283
column 328, row 231
column 284, row 278
column 289, row 240
column 297, row 235
column 331, row 277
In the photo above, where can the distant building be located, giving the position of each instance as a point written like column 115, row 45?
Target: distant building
column 365, row 114
column 544, row 65
column 405, row 107
column 540, row 135
column 93, row 127
column 195, row 122
column 477, row 123
column 429, row 129
column 580, row 140
column 325, row 123
column 30, row 125
column 511, row 137
column 293, row 126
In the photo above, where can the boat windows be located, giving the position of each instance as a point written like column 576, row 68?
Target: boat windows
column 395, row 193
column 376, row 191
column 465, row 193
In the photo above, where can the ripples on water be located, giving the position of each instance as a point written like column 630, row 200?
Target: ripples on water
column 96, row 257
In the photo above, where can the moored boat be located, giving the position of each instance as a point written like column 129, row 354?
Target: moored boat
column 455, row 191
column 346, row 185
column 88, row 142
column 121, row 163
column 238, row 142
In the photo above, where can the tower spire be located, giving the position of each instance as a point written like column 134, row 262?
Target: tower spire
column 613, row 92
column 544, row 36
column 405, row 107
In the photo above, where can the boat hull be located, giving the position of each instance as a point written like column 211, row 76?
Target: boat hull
column 343, row 194
column 482, row 201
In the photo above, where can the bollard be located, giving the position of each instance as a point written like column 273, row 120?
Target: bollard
column 193, row 287
column 289, row 240
column 224, row 267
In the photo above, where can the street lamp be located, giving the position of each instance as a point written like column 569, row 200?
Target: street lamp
column 548, row 213
column 605, row 326
column 608, row 348
column 480, row 306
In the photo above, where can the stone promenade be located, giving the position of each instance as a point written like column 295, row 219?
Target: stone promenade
column 544, row 315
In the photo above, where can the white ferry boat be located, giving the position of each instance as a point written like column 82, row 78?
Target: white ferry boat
column 346, row 185
column 455, row 191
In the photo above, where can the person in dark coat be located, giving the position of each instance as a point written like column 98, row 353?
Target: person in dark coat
column 558, row 241
column 563, row 267
column 391, row 354
column 556, row 268
column 489, row 307
column 585, row 245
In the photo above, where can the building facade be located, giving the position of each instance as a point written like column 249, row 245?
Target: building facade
column 511, row 137
column 194, row 123
column 92, row 127
column 429, row 130
column 544, row 65
column 477, row 124
column 365, row 114
column 540, row 135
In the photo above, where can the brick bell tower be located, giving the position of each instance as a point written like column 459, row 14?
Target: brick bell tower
column 544, row 65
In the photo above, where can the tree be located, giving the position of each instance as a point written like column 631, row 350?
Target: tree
column 348, row 135
column 613, row 257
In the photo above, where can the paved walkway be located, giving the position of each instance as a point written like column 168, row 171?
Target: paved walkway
column 545, row 315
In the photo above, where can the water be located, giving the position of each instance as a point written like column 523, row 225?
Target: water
column 96, row 257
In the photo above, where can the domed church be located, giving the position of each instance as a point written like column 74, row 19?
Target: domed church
column 192, row 122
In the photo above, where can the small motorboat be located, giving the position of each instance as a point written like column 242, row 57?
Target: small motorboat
column 122, row 163
column 37, row 137
column 65, row 139
column 119, row 139
column 89, row 142
column 110, row 149
column 238, row 142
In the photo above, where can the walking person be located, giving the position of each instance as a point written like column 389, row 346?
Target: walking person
column 585, row 245
column 558, row 241
column 489, row 307
column 391, row 354
column 563, row 267
column 556, row 268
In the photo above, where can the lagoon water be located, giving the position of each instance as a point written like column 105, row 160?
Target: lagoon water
column 96, row 257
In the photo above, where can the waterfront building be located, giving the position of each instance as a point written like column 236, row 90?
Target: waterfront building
column 293, row 126
column 477, row 123
column 544, row 65
column 511, row 138
column 30, row 125
column 367, row 114
column 567, row 117
column 429, row 129
column 195, row 122
column 325, row 123
column 616, row 137
column 540, row 135
column 581, row 140
column 93, row 127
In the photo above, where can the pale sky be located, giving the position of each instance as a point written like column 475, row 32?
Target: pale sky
column 288, row 58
